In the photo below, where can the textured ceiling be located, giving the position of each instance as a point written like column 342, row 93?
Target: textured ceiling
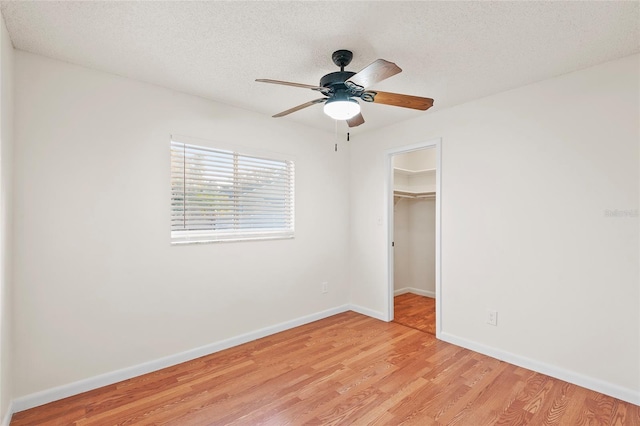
column 450, row 51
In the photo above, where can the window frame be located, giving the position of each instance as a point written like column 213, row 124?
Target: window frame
column 205, row 236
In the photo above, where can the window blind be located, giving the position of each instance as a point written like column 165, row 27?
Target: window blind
column 219, row 195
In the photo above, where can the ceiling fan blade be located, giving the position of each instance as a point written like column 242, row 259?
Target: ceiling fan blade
column 404, row 101
column 375, row 72
column 288, row 83
column 299, row 107
column 356, row 120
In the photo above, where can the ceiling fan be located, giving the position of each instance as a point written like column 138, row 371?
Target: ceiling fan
column 341, row 88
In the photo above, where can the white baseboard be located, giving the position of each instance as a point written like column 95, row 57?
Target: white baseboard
column 414, row 290
column 64, row 391
column 625, row 394
column 369, row 312
column 7, row 417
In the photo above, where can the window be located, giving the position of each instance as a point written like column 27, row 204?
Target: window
column 219, row 195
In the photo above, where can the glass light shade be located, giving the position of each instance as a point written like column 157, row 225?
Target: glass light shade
column 342, row 109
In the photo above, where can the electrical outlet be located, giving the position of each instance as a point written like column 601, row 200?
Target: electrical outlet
column 492, row 317
column 325, row 287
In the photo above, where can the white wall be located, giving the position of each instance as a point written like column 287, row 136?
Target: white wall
column 527, row 177
column 6, row 262
column 98, row 286
column 414, row 267
column 422, row 217
column 421, row 159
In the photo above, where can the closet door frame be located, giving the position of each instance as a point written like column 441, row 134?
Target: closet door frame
column 388, row 158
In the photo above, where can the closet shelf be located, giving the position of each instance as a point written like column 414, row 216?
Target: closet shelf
column 408, row 172
column 412, row 194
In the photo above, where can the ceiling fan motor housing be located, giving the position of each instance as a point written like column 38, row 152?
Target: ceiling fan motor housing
column 336, row 79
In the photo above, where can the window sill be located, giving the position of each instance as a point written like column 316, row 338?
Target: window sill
column 180, row 242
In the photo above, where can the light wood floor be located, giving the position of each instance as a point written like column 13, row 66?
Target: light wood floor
column 344, row 370
column 415, row 311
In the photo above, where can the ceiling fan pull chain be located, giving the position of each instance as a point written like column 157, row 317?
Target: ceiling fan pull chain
column 336, row 144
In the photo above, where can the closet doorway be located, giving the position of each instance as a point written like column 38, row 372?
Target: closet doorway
column 414, row 225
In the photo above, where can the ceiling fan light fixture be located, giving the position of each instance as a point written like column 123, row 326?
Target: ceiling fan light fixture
column 342, row 109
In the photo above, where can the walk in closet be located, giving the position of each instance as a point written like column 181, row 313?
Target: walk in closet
column 414, row 222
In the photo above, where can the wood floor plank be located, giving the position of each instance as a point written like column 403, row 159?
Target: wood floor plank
column 344, row 370
column 554, row 405
column 415, row 311
column 625, row 414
